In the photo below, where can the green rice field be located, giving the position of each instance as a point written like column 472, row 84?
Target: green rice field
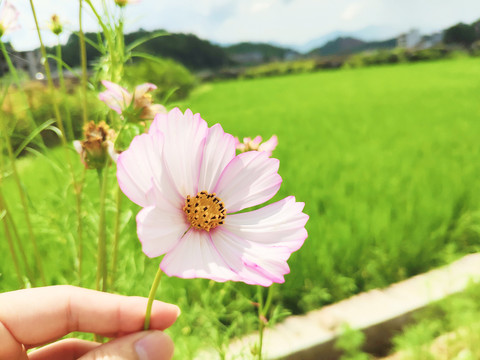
column 386, row 159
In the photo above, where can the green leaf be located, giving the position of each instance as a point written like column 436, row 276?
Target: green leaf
column 64, row 64
column 33, row 135
column 91, row 43
column 144, row 39
column 169, row 94
column 49, row 160
column 146, row 56
column 4, row 95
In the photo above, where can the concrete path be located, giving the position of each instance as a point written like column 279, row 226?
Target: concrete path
column 379, row 313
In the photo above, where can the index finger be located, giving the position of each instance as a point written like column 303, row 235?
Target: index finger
column 40, row 315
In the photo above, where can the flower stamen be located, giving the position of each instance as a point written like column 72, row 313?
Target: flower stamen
column 204, row 211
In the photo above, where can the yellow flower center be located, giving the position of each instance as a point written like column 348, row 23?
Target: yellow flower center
column 204, row 211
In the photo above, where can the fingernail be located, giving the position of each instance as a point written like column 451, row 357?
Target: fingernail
column 155, row 345
column 178, row 311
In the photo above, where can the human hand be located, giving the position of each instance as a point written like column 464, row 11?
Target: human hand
column 34, row 317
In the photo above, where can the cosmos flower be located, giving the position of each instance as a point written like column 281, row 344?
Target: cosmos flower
column 192, row 188
column 8, row 18
column 256, row 144
column 139, row 105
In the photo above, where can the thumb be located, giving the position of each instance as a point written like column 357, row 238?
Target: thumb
column 145, row 345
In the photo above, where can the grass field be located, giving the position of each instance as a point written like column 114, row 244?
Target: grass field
column 387, row 160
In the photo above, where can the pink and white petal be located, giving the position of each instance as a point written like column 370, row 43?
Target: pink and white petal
column 112, row 102
column 111, row 151
column 185, row 136
column 9, row 17
column 77, row 145
column 139, row 165
column 281, row 224
column 256, row 141
column 241, row 147
column 269, row 145
column 160, row 228
column 117, row 91
column 268, row 262
column 250, row 179
column 195, row 256
column 142, row 89
column 157, row 108
column 255, row 264
column 219, row 151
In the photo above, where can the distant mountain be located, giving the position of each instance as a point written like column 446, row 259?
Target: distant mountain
column 188, row 49
column 350, row 45
column 367, row 34
column 247, row 52
column 339, row 46
column 319, row 41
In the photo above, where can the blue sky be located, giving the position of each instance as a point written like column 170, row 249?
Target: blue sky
column 289, row 22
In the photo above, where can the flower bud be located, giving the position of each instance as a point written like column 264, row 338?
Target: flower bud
column 122, row 3
column 97, row 146
column 55, row 25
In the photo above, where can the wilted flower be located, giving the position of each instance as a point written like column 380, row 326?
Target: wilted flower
column 192, row 187
column 139, row 105
column 256, row 144
column 97, row 146
column 55, row 25
column 8, row 18
column 122, row 3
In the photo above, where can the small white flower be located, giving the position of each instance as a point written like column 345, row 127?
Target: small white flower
column 8, row 18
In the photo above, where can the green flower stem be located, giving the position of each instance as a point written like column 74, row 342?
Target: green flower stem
column 78, row 203
column 83, row 58
column 151, row 297
column 23, row 201
column 64, row 90
column 102, row 246
column 108, row 35
column 116, row 238
column 56, row 110
column 20, row 90
column 261, row 324
column 3, row 215
column 120, row 49
column 21, row 249
column 263, row 308
column 58, row 119
column 268, row 302
column 8, row 218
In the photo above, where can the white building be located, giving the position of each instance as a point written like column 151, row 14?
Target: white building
column 410, row 39
column 28, row 61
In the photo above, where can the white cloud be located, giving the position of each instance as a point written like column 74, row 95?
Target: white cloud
column 352, row 10
column 260, row 6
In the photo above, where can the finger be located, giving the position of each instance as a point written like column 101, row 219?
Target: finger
column 68, row 349
column 145, row 345
column 40, row 315
column 10, row 349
